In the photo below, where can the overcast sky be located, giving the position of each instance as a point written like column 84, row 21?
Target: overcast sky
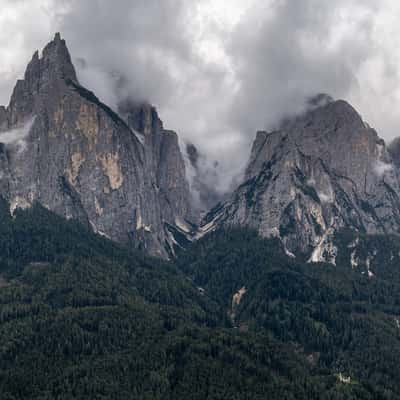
column 218, row 70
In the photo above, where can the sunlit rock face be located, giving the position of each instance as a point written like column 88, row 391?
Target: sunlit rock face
column 321, row 171
column 62, row 147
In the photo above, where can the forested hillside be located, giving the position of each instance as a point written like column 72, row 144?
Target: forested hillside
column 84, row 318
column 345, row 318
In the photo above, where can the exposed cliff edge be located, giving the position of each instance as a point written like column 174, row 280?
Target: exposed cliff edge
column 321, row 171
column 122, row 173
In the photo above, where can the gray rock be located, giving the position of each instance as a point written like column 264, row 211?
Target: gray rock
column 3, row 118
column 163, row 159
column 79, row 158
column 394, row 150
column 320, row 172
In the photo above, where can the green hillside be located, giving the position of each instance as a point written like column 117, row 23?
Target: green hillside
column 84, row 318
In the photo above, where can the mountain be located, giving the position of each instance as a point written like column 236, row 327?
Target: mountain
column 84, row 314
column 319, row 172
column 123, row 174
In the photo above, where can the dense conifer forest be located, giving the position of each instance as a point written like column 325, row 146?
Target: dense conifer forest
column 232, row 318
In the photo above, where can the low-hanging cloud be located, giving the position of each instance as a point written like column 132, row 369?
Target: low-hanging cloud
column 288, row 51
column 216, row 70
column 16, row 135
column 381, row 168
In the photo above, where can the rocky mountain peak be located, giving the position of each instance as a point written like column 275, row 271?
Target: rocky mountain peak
column 54, row 64
column 334, row 132
column 321, row 99
column 43, row 77
column 120, row 173
column 324, row 118
column 56, row 60
column 141, row 116
column 319, row 172
column 124, row 175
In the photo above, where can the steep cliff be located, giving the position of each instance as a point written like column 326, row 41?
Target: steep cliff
column 320, row 172
column 64, row 148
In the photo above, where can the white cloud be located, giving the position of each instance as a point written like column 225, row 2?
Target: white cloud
column 381, row 168
column 17, row 135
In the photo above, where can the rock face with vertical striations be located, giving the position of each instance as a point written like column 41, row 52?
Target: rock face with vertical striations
column 123, row 174
column 320, row 172
column 394, row 150
column 163, row 158
column 62, row 147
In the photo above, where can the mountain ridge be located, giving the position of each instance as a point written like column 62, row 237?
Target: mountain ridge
column 122, row 173
column 240, row 313
column 319, row 172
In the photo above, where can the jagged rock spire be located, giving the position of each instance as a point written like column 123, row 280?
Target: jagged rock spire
column 43, row 75
column 141, row 116
column 56, row 60
column 54, row 64
column 126, row 180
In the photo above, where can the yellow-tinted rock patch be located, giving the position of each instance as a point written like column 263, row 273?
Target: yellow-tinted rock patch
column 112, row 169
column 77, row 159
column 87, row 124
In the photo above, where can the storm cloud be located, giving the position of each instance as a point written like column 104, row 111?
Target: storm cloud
column 218, row 71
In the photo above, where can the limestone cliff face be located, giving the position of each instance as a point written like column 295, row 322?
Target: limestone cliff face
column 163, row 158
column 65, row 149
column 319, row 172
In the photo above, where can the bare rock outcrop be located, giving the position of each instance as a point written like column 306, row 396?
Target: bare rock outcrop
column 320, row 172
column 65, row 149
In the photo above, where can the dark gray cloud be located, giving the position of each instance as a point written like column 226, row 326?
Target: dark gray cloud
column 133, row 48
column 217, row 70
column 288, row 51
column 151, row 50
